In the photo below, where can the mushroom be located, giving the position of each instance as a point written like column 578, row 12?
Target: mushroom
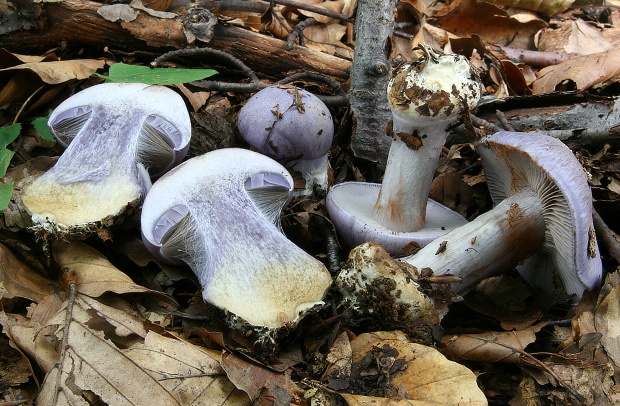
column 219, row 214
column 372, row 283
column 117, row 136
column 292, row 126
column 425, row 96
column 542, row 220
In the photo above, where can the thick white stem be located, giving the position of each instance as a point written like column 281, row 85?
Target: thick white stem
column 401, row 205
column 503, row 237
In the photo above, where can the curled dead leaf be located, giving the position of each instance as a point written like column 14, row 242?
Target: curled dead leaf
column 20, row 279
column 490, row 346
column 94, row 274
column 548, row 7
column 55, row 72
column 579, row 73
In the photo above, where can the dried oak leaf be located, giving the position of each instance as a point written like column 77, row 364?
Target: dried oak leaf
column 154, row 370
column 21, row 279
column 579, row 73
column 259, row 382
column 55, row 72
column 490, row 346
column 607, row 317
column 94, row 274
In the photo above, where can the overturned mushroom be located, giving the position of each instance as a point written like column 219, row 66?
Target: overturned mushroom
column 292, row 126
column 219, row 213
column 426, row 96
column 542, row 220
column 117, row 136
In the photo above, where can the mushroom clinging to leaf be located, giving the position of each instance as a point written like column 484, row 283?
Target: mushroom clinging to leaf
column 292, row 126
column 219, row 213
column 117, row 136
column 542, row 220
column 425, row 96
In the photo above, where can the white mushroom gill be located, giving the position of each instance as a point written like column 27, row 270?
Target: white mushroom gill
column 219, row 214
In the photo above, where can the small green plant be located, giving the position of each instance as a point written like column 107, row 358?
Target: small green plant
column 40, row 124
column 120, row 72
column 8, row 134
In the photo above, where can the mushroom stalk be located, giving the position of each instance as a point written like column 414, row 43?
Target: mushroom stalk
column 542, row 223
column 219, row 213
column 401, row 205
column 502, row 237
column 425, row 97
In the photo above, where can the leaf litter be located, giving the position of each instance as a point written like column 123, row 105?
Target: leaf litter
column 91, row 333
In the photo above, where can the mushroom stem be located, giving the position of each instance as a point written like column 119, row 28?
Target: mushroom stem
column 314, row 172
column 502, row 237
column 401, row 205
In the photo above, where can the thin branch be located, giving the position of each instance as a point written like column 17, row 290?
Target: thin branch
column 503, row 120
column 298, row 33
column 607, row 236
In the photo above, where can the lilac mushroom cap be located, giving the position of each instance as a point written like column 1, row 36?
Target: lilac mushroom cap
column 542, row 220
column 219, row 213
column 425, row 96
column 117, row 135
column 292, row 126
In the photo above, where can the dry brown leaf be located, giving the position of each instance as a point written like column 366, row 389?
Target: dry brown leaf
column 490, row 346
column 157, row 371
column 93, row 363
column 548, row 7
column 337, row 49
column 273, row 22
column 258, row 381
column 10, row 59
column 325, row 33
column 424, row 375
column 159, row 5
column 193, row 374
column 572, row 36
column 31, row 341
column 579, row 73
column 56, row 72
column 491, row 23
column 94, row 274
column 339, row 359
column 20, row 279
column 607, row 319
column 331, row 5
column 508, row 300
column 359, row 400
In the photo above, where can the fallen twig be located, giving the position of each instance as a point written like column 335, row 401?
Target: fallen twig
column 535, row 362
column 607, row 236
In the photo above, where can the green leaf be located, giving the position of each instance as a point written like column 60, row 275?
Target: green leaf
column 40, row 124
column 5, row 159
column 120, row 72
column 9, row 133
column 6, row 191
